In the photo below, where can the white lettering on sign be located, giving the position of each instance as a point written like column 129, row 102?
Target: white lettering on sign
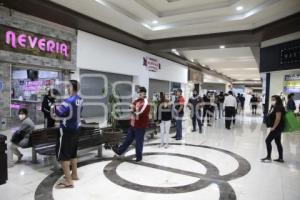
column 151, row 64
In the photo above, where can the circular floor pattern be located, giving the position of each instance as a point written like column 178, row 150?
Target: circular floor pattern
column 211, row 176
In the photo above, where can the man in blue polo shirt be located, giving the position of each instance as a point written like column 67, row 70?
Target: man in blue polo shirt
column 66, row 149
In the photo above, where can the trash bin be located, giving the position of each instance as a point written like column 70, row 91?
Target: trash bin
column 3, row 159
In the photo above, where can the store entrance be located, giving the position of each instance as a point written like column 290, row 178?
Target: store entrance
column 28, row 87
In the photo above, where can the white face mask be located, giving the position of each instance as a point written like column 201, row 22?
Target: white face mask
column 273, row 103
column 22, row 117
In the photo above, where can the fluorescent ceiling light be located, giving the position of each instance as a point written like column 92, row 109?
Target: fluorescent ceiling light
column 222, row 46
column 174, row 50
column 154, row 22
column 239, row 8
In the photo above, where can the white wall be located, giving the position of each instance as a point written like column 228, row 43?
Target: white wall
column 96, row 53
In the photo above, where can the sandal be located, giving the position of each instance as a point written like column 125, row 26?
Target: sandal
column 63, row 185
column 74, row 179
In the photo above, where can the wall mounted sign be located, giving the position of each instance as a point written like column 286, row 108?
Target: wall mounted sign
column 290, row 55
column 151, row 64
column 291, row 83
column 283, row 56
column 20, row 41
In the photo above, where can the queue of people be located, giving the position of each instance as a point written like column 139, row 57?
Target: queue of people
column 201, row 108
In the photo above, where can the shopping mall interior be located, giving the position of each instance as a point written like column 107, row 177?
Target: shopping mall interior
column 150, row 99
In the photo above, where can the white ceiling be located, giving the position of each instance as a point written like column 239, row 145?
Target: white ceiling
column 237, row 63
column 183, row 17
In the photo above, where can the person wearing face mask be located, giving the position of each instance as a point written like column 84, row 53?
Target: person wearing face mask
column 195, row 106
column 276, row 123
column 178, row 111
column 164, row 116
column 47, row 103
column 140, row 109
column 21, row 137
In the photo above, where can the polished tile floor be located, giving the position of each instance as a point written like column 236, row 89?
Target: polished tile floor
column 218, row 164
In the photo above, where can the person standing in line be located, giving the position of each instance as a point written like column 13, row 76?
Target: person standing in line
column 242, row 101
column 276, row 116
column 206, row 109
column 179, row 113
column 195, row 107
column 230, row 106
column 217, row 106
column 164, row 121
column 291, row 106
column 238, row 98
column 48, row 102
column 140, row 109
column 21, row 138
column 221, row 98
column 66, row 149
column 253, row 102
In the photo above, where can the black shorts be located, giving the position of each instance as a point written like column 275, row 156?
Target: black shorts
column 66, row 147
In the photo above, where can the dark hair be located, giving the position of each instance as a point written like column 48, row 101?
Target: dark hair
column 278, row 101
column 230, row 92
column 53, row 91
column 291, row 95
column 75, row 85
column 23, row 111
column 162, row 97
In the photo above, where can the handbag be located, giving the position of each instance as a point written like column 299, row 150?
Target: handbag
column 290, row 122
column 270, row 119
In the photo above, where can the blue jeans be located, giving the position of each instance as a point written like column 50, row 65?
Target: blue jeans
column 179, row 129
column 136, row 134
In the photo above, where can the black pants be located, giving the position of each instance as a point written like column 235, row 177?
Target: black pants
column 198, row 120
column 229, row 116
column 274, row 135
column 49, row 122
column 254, row 108
column 207, row 112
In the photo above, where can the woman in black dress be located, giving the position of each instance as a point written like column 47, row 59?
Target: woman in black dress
column 276, row 118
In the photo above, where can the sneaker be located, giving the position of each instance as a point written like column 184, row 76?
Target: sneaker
column 174, row 136
column 266, row 160
column 279, row 160
column 194, row 130
column 138, row 160
column 166, row 146
column 178, row 138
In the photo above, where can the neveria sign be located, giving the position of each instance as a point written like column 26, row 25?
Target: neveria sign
column 20, row 41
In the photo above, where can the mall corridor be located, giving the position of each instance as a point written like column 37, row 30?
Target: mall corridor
column 149, row 99
column 193, row 167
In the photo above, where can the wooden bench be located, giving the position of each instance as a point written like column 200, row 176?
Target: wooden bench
column 44, row 141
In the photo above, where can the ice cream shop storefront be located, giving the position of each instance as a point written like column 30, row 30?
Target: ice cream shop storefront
column 35, row 55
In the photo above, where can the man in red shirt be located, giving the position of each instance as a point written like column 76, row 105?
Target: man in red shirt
column 140, row 109
column 179, row 112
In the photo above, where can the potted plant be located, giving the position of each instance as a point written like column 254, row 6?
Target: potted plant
column 112, row 133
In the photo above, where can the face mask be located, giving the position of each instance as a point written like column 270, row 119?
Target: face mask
column 21, row 117
column 273, row 103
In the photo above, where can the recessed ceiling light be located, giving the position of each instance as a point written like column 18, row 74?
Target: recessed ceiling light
column 192, row 60
column 239, row 8
column 154, row 22
column 174, row 50
column 222, row 47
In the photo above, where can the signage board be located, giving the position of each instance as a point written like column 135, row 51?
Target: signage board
column 26, row 42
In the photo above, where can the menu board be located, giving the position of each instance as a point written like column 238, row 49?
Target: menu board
column 291, row 83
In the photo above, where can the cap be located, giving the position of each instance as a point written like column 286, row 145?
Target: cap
column 142, row 89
